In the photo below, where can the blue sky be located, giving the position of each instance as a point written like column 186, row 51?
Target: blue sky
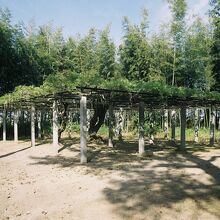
column 77, row 16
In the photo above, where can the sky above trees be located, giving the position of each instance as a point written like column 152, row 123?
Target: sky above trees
column 77, row 17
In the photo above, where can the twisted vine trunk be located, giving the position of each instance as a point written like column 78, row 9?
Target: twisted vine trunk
column 63, row 120
column 98, row 118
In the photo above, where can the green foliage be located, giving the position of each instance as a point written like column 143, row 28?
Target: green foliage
column 72, row 127
column 215, row 50
column 178, row 10
column 103, row 131
column 135, row 51
column 39, row 61
column 106, row 55
column 198, row 60
column 161, row 59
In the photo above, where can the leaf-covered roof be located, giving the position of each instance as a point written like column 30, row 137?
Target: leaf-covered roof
column 121, row 92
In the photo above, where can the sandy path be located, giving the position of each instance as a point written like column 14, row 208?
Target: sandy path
column 36, row 183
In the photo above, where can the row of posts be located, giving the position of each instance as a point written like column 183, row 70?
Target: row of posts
column 83, row 127
column 33, row 113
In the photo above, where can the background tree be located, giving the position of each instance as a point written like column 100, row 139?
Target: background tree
column 215, row 52
column 178, row 10
column 135, row 50
column 198, row 72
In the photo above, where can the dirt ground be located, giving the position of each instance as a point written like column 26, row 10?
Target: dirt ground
column 39, row 183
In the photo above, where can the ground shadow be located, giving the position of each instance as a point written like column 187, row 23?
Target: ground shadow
column 163, row 180
column 14, row 152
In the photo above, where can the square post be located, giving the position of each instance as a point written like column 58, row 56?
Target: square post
column 173, row 125
column 212, row 127
column 55, row 124
column 141, row 129
column 110, row 126
column 83, row 129
column 197, row 119
column 32, row 126
column 166, row 127
column 39, row 124
column 183, row 127
column 16, row 119
column 4, row 124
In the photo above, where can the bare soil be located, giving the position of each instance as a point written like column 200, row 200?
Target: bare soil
column 39, row 183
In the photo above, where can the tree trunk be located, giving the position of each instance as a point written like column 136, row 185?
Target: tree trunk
column 97, row 119
column 63, row 120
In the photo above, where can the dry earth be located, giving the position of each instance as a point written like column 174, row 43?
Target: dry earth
column 38, row 183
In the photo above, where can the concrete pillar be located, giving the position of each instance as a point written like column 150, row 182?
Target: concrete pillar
column 55, row 124
column 39, row 124
column 110, row 124
column 173, row 125
column 16, row 119
column 141, row 128
column 197, row 119
column 212, row 127
column 166, row 131
column 183, row 127
column 32, row 126
column 119, row 122
column 151, row 130
column 83, row 129
column 4, row 116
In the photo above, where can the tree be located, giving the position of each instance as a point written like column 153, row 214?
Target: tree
column 106, row 55
column 85, row 58
column 178, row 10
column 161, row 59
column 198, row 72
column 215, row 50
column 135, row 50
column 106, row 70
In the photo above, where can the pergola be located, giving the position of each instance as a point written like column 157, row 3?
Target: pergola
column 84, row 98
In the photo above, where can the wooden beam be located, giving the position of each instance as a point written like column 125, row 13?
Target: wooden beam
column 83, row 129
column 141, row 129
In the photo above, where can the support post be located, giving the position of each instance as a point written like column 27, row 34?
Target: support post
column 141, row 128
column 173, row 125
column 166, row 131
column 83, row 130
column 4, row 124
column 197, row 120
column 16, row 118
column 55, row 124
column 212, row 127
column 183, row 127
column 32, row 126
column 110, row 124
column 119, row 125
column 151, row 130
column 39, row 125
